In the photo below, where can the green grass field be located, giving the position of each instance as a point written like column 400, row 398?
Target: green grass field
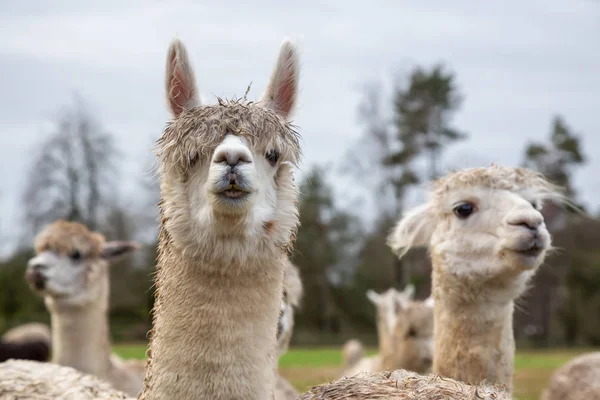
column 306, row 367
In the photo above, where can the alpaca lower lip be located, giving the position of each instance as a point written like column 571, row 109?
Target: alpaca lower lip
column 233, row 194
column 533, row 251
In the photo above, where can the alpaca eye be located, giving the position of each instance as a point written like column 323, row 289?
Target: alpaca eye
column 75, row 255
column 272, row 157
column 463, row 210
column 412, row 332
column 193, row 159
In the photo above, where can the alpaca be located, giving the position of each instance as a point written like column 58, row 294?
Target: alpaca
column 292, row 293
column 388, row 305
column 71, row 272
column 32, row 331
column 487, row 238
column 228, row 218
column 407, row 339
column 36, row 350
column 29, row 341
column 577, row 379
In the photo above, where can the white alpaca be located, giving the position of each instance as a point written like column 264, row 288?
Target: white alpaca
column 405, row 331
column 228, row 217
column 487, row 238
column 71, row 271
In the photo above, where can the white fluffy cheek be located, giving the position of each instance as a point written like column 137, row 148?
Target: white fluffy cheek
column 216, row 172
column 467, row 252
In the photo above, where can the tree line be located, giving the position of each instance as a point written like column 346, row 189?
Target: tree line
column 74, row 175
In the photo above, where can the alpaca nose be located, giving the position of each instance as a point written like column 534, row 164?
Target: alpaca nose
column 36, row 266
column 530, row 220
column 232, row 157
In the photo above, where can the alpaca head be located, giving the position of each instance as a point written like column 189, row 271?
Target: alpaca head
column 226, row 169
column 292, row 293
column 411, row 344
column 71, row 263
column 388, row 305
column 482, row 226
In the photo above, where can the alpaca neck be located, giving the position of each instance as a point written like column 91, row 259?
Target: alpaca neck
column 473, row 339
column 215, row 325
column 80, row 337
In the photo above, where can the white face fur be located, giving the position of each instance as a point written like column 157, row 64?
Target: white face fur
column 488, row 232
column 233, row 190
column 480, row 232
column 65, row 277
column 75, row 278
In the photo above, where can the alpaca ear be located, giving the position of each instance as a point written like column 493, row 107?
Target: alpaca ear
column 429, row 302
column 409, row 291
column 282, row 89
column 414, row 229
column 374, row 297
column 112, row 251
column 180, row 82
column 400, row 303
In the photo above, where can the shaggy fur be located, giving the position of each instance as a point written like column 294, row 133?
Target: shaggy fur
column 403, row 385
column 71, row 271
column 577, row 379
column 31, row 380
column 481, row 264
column 63, row 238
column 220, row 271
column 31, row 350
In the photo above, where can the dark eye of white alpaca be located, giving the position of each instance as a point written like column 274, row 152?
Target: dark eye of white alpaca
column 272, row 157
column 193, row 159
column 463, row 210
column 75, row 255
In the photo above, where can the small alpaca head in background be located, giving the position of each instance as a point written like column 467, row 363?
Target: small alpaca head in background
column 412, row 338
column 482, row 224
column 292, row 294
column 388, row 305
column 71, row 263
column 230, row 162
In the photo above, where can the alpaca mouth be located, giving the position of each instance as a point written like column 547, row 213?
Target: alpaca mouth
column 533, row 251
column 234, row 192
column 37, row 280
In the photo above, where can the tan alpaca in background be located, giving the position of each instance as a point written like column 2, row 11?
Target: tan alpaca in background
column 405, row 331
column 31, row 331
column 71, row 271
column 577, row 379
column 292, row 294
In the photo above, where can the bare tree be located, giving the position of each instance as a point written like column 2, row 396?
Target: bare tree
column 73, row 174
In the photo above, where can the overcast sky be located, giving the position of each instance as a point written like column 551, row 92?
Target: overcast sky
column 517, row 63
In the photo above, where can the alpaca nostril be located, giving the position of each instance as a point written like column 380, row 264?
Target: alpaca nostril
column 38, row 267
column 231, row 158
column 529, row 225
